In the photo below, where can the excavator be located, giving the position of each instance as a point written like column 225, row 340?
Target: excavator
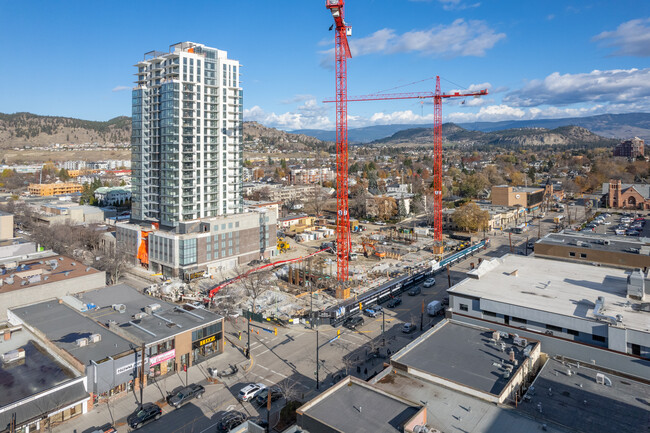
column 369, row 245
column 283, row 246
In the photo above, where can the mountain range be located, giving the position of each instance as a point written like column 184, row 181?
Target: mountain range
column 617, row 126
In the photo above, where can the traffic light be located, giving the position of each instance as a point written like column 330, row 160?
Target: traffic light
column 275, row 331
column 360, row 306
column 239, row 335
column 338, row 332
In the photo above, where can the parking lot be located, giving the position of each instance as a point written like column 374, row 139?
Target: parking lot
column 623, row 224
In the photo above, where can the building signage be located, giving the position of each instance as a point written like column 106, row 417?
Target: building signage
column 207, row 340
column 130, row 366
column 162, row 357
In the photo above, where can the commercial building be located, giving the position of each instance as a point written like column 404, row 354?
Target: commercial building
column 470, row 367
column 460, row 386
column 610, row 250
column 353, row 406
column 15, row 248
column 60, row 212
column 187, row 133
column 596, row 306
column 111, row 196
column 39, row 389
column 48, row 189
column 105, row 340
column 43, row 276
column 626, row 195
column 206, row 245
column 6, row 226
column 529, row 198
column 630, row 148
column 500, row 217
column 311, row 175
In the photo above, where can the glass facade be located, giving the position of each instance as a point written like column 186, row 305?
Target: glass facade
column 187, row 130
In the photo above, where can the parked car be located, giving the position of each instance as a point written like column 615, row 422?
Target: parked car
column 415, row 291
column 353, row 322
column 231, row 420
column 250, row 391
column 370, row 312
column 231, row 370
column 430, row 282
column 394, row 302
column 143, row 414
column 435, row 307
column 262, row 397
column 105, row 429
column 408, row 328
column 185, row 394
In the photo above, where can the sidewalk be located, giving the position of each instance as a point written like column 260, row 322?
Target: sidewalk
column 117, row 409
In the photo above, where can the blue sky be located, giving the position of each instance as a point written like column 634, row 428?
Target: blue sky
column 539, row 59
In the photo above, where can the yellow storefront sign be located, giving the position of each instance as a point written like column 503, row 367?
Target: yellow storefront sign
column 207, row 340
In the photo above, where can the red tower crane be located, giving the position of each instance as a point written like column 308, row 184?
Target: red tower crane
column 342, row 53
column 437, row 140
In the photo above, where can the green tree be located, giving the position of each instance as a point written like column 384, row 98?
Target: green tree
column 531, row 173
column 64, row 175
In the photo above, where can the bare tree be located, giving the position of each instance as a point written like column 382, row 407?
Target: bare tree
column 429, row 210
column 289, row 389
column 255, row 285
column 316, row 200
column 115, row 262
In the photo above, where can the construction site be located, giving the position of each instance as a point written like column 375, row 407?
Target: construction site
column 324, row 264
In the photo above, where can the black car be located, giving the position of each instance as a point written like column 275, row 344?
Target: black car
column 230, row 421
column 394, row 302
column 262, row 397
column 185, row 394
column 415, row 291
column 143, row 414
column 353, row 322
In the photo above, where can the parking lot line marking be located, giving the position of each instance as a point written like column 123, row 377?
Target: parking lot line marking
column 279, row 374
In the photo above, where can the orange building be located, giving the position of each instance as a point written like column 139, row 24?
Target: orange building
column 48, row 189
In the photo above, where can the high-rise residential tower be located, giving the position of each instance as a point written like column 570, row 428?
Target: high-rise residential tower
column 187, row 135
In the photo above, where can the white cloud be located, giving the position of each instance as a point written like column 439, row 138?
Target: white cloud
column 460, row 38
column 632, row 38
column 298, row 98
column 121, row 88
column 613, row 86
column 310, row 115
column 450, row 5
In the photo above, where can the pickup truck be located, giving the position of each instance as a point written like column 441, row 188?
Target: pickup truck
column 185, row 394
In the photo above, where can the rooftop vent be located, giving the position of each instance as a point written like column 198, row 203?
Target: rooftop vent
column 598, row 311
column 636, row 285
column 139, row 316
column 120, row 308
column 81, row 342
column 151, row 308
column 95, row 338
column 13, row 355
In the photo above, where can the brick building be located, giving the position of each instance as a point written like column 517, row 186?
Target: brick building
column 626, row 195
column 48, row 189
column 630, row 148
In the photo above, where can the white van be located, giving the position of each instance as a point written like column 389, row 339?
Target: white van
column 434, row 308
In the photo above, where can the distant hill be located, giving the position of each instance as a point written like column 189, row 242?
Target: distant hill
column 617, row 126
column 27, row 129
column 285, row 140
column 519, row 137
column 20, row 129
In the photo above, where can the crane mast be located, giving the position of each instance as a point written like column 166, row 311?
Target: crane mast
column 437, row 97
column 342, row 53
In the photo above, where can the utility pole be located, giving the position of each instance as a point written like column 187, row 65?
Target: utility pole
column 526, row 245
column 317, row 362
column 448, row 277
column 383, row 326
column 510, row 240
column 142, row 379
column 422, row 316
column 311, row 306
column 248, row 344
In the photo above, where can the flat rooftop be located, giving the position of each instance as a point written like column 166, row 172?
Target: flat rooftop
column 37, row 372
column 476, row 363
column 169, row 320
column 63, row 326
column 357, row 408
column 600, row 242
column 566, row 288
column 38, row 271
column 449, row 410
column 579, row 403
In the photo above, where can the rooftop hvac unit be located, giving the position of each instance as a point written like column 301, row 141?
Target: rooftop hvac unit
column 95, row 338
column 81, row 342
column 13, row 355
column 111, row 324
column 120, row 308
column 139, row 316
column 152, row 308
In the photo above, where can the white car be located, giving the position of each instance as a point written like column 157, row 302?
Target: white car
column 430, row 282
column 607, row 223
column 251, row 391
